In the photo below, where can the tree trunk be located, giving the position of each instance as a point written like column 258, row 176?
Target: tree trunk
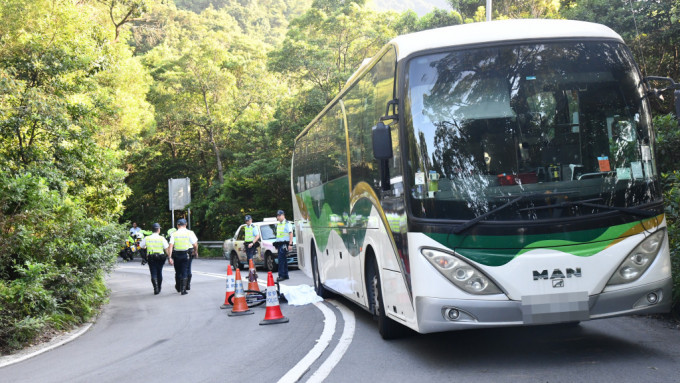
column 211, row 136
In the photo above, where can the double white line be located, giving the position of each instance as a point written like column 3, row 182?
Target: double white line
column 330, row 321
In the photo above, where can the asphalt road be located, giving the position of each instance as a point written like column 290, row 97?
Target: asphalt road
column 173, row 338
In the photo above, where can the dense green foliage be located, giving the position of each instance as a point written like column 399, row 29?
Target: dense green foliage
column 61, row 190
column 102, row 101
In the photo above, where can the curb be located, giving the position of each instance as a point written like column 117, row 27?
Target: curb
column 44, row 347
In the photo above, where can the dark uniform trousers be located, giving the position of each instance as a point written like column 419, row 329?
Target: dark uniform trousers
column 181, row 263
column 156, row 262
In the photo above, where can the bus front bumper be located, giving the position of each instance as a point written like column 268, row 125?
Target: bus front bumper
column 437, row 314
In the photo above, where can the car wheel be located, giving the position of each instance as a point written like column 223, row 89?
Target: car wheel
column 318, row 286
column 388, row 328
column 269, row 262
column 234, row 261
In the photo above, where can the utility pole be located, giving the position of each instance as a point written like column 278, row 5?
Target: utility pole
column 488, row 10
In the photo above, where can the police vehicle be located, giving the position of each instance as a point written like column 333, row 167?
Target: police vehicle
column 266, row 255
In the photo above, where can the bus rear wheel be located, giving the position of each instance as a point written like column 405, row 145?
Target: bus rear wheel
column 388, row 328
column 318, row 286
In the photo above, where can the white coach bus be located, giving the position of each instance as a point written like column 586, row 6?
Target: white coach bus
column 484, row 175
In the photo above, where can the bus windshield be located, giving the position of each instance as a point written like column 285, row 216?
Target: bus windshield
column 559, row 122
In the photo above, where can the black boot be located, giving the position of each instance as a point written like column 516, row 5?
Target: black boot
column 160, row 282
column 154, row 282
column 177, row 284
column 189, row 282
column 183, row 283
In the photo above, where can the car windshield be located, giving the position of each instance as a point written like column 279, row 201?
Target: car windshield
column 267, row 232
column 561, row 122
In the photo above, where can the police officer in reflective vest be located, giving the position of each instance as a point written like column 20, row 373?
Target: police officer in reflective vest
column 181, row 242
column 252, row 236
column 170, row 231
column 283, row 242
column 156, row 253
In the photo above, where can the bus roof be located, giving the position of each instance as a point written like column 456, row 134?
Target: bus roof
column 499, row 31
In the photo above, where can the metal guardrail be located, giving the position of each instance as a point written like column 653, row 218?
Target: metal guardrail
column 211, row 244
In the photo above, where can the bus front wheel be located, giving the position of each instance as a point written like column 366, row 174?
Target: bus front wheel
column 388, row 328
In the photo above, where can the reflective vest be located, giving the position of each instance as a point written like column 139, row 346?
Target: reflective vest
column 182, row 240
column 171, row 230
column 249, row 234
column 154, row 244
column 280, row 234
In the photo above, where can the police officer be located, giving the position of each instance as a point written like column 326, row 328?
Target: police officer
column 181, row 242
column 283, row 242
column 156, row 252
column 170, row 231
column 252, row 235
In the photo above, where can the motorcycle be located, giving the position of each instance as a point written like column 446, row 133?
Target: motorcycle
column 129, row 249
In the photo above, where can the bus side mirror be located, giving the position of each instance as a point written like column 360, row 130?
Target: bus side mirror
column 382, row 142
column 657, row 92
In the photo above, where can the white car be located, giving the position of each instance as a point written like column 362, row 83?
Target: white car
column 266, row 255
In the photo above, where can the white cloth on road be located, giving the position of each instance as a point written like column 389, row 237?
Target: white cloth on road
column 299, row 295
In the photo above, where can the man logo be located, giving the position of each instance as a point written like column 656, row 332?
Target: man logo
column 558, row 274
column 558, row 283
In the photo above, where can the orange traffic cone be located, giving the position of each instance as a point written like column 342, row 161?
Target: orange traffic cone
column 273, row 314
column 252, row 277
column 231, row 285
column 240, row 305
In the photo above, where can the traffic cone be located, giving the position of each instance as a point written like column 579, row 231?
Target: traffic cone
column 240, row 305
column 252, row 277
column 231, row 284
column 273, row 314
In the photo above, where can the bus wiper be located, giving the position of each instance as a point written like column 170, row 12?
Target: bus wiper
column 627, row 210
column 588, row 203
column 462, row 227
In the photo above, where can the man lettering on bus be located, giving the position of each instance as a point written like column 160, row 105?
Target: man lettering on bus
column 252, row 236
column 283, row 242
column 181, row 242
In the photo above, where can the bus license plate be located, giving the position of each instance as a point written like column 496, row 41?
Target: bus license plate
column 555, row 308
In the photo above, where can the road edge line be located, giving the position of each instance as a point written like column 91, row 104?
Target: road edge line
column 11, row 360
column 341, row 348
column 295, row 373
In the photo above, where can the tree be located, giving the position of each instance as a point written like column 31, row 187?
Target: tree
column 474, row 10
column 650, row 28
column 61, row 192
column 324, row 46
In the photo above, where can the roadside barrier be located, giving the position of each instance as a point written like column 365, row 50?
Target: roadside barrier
column 273, row 314
column 240, row 305
column 252, row 277
column 231, row 286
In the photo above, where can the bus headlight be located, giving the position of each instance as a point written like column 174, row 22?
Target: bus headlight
column 638, row 261
column 461, row 273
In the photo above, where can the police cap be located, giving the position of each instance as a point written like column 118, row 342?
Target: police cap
column 181, row 222
column 155, row 226
column 280, row 212
column 248, row 218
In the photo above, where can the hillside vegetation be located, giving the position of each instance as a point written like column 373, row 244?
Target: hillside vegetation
column 101, row 101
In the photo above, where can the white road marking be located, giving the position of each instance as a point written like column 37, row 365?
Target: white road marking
column 20, row 357
column 295, row 373
column 345, row 339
